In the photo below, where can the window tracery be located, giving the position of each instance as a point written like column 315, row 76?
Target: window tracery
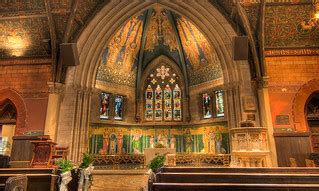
column 163, row 95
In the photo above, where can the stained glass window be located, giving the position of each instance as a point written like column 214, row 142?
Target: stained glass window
column 167, row 103
column 163, row 96
column 118, row 107
column 219, row 97
column 177, row 96
column 105, row 105
column 149, row 103
column 206, row 101
column 158, row 103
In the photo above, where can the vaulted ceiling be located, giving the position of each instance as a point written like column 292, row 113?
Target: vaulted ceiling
column 164, row 33
column 36, row 28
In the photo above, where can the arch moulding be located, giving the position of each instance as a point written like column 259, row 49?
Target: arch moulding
column 17, row 100
column 299, row 103
column 93, row 40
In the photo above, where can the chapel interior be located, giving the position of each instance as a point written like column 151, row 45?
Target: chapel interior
column 227, row 91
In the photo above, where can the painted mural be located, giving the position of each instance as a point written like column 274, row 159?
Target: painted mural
column 213, row 139
column 120, row 57
column 160, row 31
column 203, row 64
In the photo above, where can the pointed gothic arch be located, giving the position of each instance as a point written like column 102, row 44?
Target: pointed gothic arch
column 14, row 97
column 80, row 80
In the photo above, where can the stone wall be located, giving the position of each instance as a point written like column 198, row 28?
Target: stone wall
column 287, row 76
column 28, row 79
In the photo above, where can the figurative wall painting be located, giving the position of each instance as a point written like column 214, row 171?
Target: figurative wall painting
column 133, row 140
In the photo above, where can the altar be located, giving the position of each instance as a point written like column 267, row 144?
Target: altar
column 150, row 153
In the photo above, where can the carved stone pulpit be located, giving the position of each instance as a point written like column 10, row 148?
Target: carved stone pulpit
column 42, row 154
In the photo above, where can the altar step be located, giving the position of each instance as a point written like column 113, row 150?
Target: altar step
column 274, row 179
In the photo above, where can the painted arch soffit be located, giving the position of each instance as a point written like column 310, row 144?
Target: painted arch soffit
column 165, row 34
column 118, row 62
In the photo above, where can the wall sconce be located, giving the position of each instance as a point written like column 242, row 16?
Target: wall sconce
column 314, row 21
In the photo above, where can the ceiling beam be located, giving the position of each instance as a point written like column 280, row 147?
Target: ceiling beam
column 261, row 37
column 22, row 15
column 246, row 25
column 180, row 50
column 53, row 38
column 66, row 37
column 147, row 20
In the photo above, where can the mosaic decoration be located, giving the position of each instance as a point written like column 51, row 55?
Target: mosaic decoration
column 211, row 139
column 253, row 15
column 202, row 61
column 21, row 5
column 167, row 103
column 207, row 110
column 219, row 98
column 105, row 99
column 85, row 10
column 284, row 29
column 120, row 56
column 24, row 37
column 118, row 107
column 160, row 31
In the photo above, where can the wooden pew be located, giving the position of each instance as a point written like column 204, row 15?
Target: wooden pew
column 232, row 187
column 197, row 178
column 285, row 170
column 39, row 179
column 262, row 178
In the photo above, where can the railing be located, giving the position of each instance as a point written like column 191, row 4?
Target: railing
column 136, row 161
column 203, row 160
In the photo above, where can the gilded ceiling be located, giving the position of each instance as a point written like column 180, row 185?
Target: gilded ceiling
column 36, row 28
column 120, row 58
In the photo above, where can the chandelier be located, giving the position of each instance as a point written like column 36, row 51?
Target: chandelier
column 314, row 21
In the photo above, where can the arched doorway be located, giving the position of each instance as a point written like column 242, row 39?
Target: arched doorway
column 312, row 117
column 8, row 116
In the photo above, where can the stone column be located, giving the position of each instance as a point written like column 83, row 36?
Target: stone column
column 265, row 117
column 53, row 109
column 80, row 139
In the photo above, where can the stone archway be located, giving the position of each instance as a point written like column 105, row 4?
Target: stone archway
column 17, row 100
column 299, row 104
column 80, row 80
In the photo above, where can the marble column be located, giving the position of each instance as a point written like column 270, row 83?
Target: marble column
column 266, row 120
column 53, row 109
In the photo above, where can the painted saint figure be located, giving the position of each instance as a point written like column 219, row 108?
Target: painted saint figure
column 136, row 143
column 152, row 141
column 119, row 143
column 106, row 141
column 113, row 144
column 188, row 141
column 173, row 142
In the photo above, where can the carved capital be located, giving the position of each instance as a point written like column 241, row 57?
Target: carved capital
column 55, row 87
column 263, row 82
